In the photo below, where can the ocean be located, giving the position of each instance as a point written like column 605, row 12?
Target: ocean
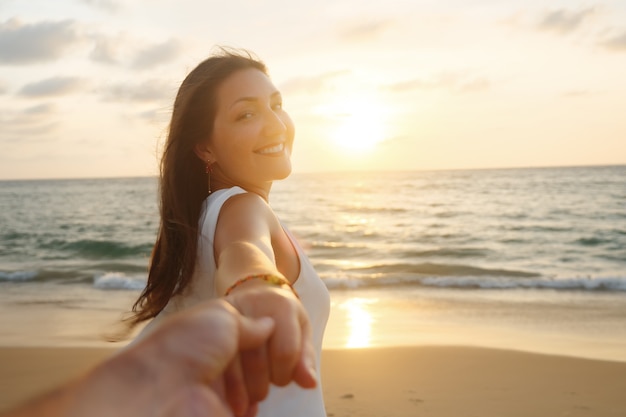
column 531, row 259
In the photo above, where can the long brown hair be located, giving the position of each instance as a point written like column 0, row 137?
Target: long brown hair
column 183, row 181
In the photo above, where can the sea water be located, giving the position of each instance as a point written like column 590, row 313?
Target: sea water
column 515, row 258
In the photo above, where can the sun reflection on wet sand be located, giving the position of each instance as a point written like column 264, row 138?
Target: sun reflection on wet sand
column 359, row 322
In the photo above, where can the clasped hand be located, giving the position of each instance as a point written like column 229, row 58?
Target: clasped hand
column 219, row 358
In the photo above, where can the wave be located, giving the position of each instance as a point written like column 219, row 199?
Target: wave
column 589, row 284
column 342, row 250
column 356, row 279
column 441, row 270
column 18, row 276
column 592, row 241
column 448, row 253
column 105, row 281
column 74, row 273
column 350, row 208
column 98, row 249
column 610, row 284
column 118, row 281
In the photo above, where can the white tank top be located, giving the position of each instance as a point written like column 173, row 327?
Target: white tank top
column 291, row 400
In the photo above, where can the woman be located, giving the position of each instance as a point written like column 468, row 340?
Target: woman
column 229, row 139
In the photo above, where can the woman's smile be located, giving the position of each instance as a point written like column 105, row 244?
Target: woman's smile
column 272, row 150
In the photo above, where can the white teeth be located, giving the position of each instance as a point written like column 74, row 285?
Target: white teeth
column 272, row 149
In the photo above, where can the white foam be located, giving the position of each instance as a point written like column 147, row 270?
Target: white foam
column 18, row 275
column 118, row 281
column 616, row 283
column 585, row 283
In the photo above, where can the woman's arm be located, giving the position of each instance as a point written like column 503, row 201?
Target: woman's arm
column 245, row 230
column 243, row 245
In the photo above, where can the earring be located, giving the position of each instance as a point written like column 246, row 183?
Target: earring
column 208, row 168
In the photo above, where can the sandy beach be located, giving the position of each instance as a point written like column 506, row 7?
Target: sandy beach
column 387, row 353
column 395, row 382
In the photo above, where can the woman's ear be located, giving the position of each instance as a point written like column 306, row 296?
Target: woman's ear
column 203, row 152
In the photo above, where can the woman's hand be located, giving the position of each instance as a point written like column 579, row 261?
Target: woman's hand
column 288, row 354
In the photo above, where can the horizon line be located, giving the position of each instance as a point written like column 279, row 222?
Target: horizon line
column 354, row 171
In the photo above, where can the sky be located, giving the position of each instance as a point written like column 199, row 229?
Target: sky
column 87, row 86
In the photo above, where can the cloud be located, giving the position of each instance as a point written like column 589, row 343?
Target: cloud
column 27, row 124
column 157, row 116
column 310, row 85
column 460, row 82
column 105, row 50
column 564, row 21
column 576, row 93
column 38, row 42
column 365, row 30
column 474, row 85
column 616, row 42
column 121, row 49
column 157, row 54
column 107, row 5
column 514, row 20
column 52, row 87
column 148, row 91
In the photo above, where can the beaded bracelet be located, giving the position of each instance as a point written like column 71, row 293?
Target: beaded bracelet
column 272, row 279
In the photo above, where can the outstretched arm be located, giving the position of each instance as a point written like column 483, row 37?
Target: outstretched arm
column 169, row 373
column 245, row 239
column 243, row 243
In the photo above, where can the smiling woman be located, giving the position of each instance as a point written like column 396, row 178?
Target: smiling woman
column 229, row 140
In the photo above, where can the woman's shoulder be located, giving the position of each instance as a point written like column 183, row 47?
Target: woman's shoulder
column 243, row 206
column 242, row 199
column 226, row 198
column 244, row 217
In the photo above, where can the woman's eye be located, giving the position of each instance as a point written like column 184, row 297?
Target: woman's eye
column 245, row 115
column 278, row 106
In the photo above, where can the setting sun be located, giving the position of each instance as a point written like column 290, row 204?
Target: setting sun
column 358, row 123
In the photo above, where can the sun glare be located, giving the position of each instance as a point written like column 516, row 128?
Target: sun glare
column 360, row 323
column 358, row 123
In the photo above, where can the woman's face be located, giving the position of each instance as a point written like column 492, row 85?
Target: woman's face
column 252, row 135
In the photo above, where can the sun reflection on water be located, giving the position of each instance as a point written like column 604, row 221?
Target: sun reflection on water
column 359, row 322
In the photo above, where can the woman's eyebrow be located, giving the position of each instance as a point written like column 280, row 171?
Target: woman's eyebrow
column 275, row 94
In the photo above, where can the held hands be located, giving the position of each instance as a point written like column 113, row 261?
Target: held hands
column 220, row 357
column 209, row 340
column 216, row 359
column 287, row 355
column 208, row 361
column 273, row 346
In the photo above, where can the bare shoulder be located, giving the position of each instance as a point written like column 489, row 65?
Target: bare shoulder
column 245, row 216
column 245, row 205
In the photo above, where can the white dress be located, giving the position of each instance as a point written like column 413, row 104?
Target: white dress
column 291, row 400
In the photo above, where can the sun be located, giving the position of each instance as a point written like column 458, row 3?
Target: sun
column 358, row 123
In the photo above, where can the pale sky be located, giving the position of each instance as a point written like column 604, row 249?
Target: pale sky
column 86, row 86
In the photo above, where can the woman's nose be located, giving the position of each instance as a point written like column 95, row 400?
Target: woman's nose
column 274, row 124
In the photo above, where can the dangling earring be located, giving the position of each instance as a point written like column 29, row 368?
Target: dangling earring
column 208, row 168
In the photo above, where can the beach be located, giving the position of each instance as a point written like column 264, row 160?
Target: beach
column 442, row 381
column 423, row 353
column 453, row 293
